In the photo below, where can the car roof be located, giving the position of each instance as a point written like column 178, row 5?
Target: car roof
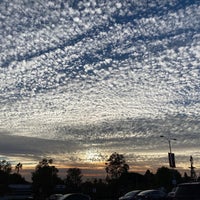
column 147, row 191
column 75, row 194
column 132, row 192
column 190, row 183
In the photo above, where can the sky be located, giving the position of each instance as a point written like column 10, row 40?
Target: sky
column 80, row 80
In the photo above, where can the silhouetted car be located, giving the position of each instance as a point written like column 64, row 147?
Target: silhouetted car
column 130, row 195
column 75, row 196
column 55, row 196
column 170, row 195
column 151, row 195
column 187, row 191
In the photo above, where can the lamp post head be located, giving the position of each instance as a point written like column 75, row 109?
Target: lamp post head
column 162, row 136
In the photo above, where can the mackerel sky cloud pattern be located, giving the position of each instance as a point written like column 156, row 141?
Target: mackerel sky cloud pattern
column 100, row 73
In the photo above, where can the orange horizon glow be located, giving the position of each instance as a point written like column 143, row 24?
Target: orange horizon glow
column 95, row 170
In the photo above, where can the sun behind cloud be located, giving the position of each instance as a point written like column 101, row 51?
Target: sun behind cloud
column 93, row 156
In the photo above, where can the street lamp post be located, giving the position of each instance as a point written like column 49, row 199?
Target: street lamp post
column 171, row 157
column 169, row 142
column 170, row 154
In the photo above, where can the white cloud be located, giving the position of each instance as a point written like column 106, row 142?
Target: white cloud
column 68, row 66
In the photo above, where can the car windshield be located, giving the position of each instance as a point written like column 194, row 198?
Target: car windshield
column 131, row 193
column 152, row 192
column 146, row 192
column 74, row 197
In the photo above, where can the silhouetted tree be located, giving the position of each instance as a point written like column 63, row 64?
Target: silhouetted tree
column 87, row 186
column 18, row 167
column 129, row 181
column 45, row 162
column 116, row 166
column 5, row 166
column 16, row 178
column 4, row 181
column 5, row 170
column 73, row 179
column 44, row 178
column 150, row 179
column 166, row 177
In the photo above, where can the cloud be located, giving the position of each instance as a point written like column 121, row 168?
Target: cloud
column 36, row 148
column 110, row 74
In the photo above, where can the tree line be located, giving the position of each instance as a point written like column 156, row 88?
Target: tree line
column 117, row 182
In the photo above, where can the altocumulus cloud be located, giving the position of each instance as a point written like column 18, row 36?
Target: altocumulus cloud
column 93, row 77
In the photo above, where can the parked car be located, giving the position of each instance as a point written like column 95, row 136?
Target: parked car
column 170, row 195
column 130, row 195
column 187, row 191
column 151, row 195
column 75, row 196
column 55, row 196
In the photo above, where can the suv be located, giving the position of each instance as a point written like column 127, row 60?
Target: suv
column 187, row 191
